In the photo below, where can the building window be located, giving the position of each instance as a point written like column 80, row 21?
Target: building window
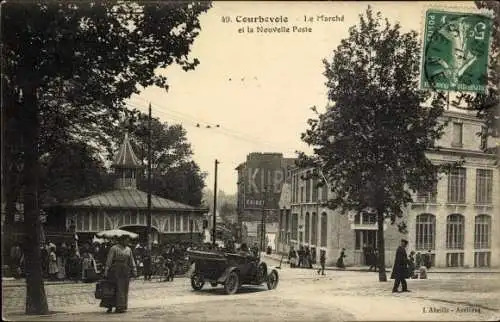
column 154, row 223
column 324, row 192
column 484, row 186
column 365, row 218
column 456, row 185
column 172, row 223
column 100, row 225
column 133, row 218
column 86, row 222
column 482, row 232
column 307, row 227
column 315, row 189
column 295, row 226
column 287, row 225
column 314, row 230
column 296, row 179
column 126, row 219
column 482, row 259
column 165, row 227
column 455, row 231
column 185, row 223
column 308, row 186
column 484, row 138
column 425, row 232
column 425, row 196
column 107, row 223
column 324, row 227
column 281, row 222
column 120, row 219
column 457, row 134
column 178, row 223
column 94, row 224
column 301, row 194
column 455, row 259
column 365, row 237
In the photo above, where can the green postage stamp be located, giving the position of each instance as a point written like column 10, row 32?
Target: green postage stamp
column 455, row 51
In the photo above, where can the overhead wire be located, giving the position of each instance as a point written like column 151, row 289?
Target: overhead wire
column 190, row 120
column 223, row 128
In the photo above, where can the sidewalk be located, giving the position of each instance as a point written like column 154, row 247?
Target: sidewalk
column 447, row 270
column 12, row 282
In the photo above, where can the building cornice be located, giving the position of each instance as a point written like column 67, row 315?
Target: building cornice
column 462, row 116
column 463, row 152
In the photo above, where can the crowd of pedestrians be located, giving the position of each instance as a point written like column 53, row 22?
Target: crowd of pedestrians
column 71, row 261
column 301, row 258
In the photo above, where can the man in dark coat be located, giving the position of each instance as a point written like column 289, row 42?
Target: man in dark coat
column 400, row 269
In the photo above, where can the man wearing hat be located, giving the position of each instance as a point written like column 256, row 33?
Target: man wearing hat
column 400, row 269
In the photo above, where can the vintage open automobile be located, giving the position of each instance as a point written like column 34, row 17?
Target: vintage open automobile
column 230, row 269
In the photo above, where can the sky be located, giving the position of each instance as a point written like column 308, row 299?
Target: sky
column 259, row 87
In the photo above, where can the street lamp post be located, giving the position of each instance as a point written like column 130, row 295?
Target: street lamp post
column 215, row 205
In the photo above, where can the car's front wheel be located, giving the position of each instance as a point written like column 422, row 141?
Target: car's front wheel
column 272, row 280
column 232, row 283
column 197, row 282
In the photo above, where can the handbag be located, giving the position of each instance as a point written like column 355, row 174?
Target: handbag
column 104, row 289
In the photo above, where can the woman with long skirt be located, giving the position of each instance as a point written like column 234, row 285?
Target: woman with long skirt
column 340, row 260
column 53, row 268
column 120, row 265
column 61, row 259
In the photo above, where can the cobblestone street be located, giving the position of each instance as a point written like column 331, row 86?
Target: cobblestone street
column 301, row 295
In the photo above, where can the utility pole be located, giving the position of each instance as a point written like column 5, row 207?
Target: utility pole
column 215, row 204
column 150, row 241
column 263, row 221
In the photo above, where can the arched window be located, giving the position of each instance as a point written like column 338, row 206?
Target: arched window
column 314, row 230
column 308, row 186
column 455, row 231
column 425, row 232
column 324, row 222
column 307, row 227
column 295, row 226
column 482, row 232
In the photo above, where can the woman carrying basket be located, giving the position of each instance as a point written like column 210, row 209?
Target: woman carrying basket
column 120, row 265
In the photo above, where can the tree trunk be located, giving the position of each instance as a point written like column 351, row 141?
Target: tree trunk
column 382, row 276
column 36, row 300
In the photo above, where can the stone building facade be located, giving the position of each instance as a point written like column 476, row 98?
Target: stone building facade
column 458, row 222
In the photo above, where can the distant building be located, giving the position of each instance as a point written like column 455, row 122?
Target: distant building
column 260, row 179
column 458, row 222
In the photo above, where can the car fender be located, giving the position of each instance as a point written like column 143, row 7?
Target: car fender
column 226, row 273
column 272, row 269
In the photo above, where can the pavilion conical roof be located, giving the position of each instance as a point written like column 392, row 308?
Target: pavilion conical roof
column 125, row 157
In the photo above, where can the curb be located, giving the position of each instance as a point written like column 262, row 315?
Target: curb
column 430, row 271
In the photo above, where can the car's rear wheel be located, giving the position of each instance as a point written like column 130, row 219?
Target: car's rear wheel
column 197, row 282
column 232, row 283
column 272, row 280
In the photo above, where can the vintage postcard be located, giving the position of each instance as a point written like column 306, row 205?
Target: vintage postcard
column 250, row 160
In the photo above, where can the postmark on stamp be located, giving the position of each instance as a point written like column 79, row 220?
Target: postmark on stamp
column 455, row 51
